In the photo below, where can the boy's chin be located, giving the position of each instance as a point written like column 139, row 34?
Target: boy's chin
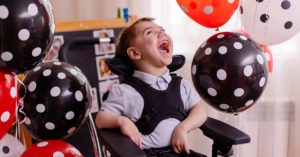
column 169, row 61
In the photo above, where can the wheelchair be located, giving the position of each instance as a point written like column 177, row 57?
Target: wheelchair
column 110, row 142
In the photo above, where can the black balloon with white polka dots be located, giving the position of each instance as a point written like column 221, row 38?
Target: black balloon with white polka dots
column 57, row 100
column 230, row 72
column 26, row 30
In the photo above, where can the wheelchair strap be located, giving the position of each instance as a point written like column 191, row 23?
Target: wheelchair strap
column 158, row 105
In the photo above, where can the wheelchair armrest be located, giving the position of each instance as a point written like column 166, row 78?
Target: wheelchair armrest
column 118, row 144
column 221, row 132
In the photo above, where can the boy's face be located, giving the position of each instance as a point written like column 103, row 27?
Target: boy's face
column 154, row 45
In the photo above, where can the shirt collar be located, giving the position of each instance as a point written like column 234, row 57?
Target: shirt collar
column 152, row 79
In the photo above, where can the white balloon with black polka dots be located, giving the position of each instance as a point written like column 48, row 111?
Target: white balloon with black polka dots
column 230, row 71
column 270, row 22
column 11, row 146
column 57, row 100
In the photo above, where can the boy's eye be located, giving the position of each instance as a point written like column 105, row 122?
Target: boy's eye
column 148, row 32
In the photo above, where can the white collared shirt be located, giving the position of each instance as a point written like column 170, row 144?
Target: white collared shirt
column 126, row 101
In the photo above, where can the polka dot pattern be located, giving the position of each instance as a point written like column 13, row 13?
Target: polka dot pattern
column 53, row 148
column 36, row 51
column 220, row 36
column 5, row 116
column 204, row 12
column 78, row 96
column 184, row 8
column 248, row 70
column 40, row 108
column 208, row 51
column 6, row 56
column 260, row 59
column 37, row 68
column 13, row 92
column 42, row 144
column 3, row 12
column 194, row 69
column 212, row 92
column 53, row 89
column 232, row 73
column 70, row 115
column 24, row 34
column 58, row 154
column 262, row 81
column 29, row 26
column 61, row 75
column 248, row 103
column 47, row 72
column 222, row 50
column 32, row 9
column 50, row 126
column 221, row 74
column 239, row 92
column 10, row 146
column 224, row 106
column 271, row 22
column 32, row 86
column 208, row 10
column 238, row 45
column 243, row 37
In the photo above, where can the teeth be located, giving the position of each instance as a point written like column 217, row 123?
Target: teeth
column 165, row 42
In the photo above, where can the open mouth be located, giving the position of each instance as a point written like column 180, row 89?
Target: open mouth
column 165, row 46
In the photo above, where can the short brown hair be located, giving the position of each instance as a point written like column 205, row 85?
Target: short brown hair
column 126, row 37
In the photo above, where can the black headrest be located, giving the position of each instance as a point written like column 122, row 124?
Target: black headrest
column 120, row 66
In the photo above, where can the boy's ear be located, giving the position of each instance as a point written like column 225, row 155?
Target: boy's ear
column 133, row 53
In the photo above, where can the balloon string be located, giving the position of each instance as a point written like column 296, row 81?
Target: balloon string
column 19, row 81
column 255, row 16
column 21, row 103
column 17, row 132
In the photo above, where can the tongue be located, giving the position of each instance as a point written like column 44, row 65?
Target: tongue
column 164, row 47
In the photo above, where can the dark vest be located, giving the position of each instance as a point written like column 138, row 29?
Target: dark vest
column 158, row 105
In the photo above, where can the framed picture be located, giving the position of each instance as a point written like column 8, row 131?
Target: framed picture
column 95, row 105
column 104, row 47
column 54, row 49
column 103, row 70
column 105, row 86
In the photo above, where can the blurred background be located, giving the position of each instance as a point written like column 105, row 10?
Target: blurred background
column 272, row 123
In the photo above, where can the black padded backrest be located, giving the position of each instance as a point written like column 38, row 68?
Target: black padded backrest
column 121, row 67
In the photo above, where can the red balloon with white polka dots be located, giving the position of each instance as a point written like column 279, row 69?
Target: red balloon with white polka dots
column 209, row 13
column 8, row 102
column 230, row 71
column 52, row 148
column 27, row 31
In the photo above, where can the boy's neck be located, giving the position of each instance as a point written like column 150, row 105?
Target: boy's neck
column 154, row 71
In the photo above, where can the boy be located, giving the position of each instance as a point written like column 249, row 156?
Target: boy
column 153, row 108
